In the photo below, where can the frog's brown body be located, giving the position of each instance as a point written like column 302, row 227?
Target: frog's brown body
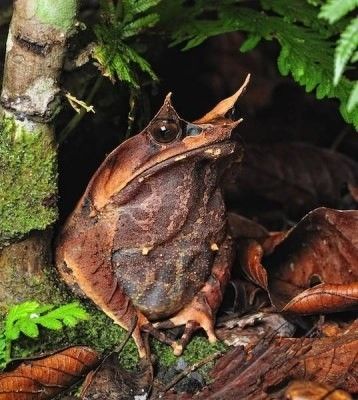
column 149, row 237
column 192, row 217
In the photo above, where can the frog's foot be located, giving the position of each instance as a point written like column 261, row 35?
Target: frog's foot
column 197, row 314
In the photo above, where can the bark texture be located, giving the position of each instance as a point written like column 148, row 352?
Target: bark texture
column 29, row 101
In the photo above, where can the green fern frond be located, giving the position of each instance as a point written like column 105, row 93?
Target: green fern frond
column 307, row 52
column 296, row 11
column 25, row 318
column 334, row 10
column 347, row 45
column 115, row 54
column 353, row 98
column 134, row 57
column 138, row 25
column 250, row 43
column 136, row 7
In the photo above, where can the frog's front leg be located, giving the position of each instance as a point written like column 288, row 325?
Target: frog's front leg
column 201, row 311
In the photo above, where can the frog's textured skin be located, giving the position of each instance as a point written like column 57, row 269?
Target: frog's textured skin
column 148, row 241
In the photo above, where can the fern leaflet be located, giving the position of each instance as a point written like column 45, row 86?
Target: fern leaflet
column 334, row 10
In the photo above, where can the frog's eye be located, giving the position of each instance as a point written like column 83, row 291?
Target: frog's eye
column 165, row 131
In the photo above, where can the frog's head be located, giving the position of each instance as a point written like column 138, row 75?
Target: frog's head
column 166, row 140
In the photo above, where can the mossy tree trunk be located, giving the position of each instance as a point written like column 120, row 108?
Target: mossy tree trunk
column 30, row 99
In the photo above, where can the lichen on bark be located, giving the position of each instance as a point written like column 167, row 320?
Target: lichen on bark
column 28, row 179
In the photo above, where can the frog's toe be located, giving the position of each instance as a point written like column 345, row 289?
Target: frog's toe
column 156, row 333
column 194, row 316
column 180, row 344
column 190, row 328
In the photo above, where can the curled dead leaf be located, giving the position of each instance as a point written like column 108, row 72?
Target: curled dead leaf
column 313, row 268
column 46, row 376
column 251, row 253
column 325, row 298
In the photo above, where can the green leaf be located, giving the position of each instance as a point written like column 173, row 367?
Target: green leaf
column 114, row 51
column 73, row 309
column 134, row 57
column 250, row 43
column 46, row 307
column 18, row 312
column 135, row 7
column 28, row 328
column 2, row 344
column 283, row 61
column 296, row 11
column 50, row 323
column 353, row 98
column 334, row 10
column 21, row 310
column 70, row 321
column 347, row 44
column 12, row 333
column 138, row 25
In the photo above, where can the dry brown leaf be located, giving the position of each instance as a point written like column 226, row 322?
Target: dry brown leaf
column 333, row 361
column 320, row 251
column 46, row 376
column 325, row 298
column 322, row 248
column 293, row 177
column 335, row 328
column 306, row 390
column 250, row 255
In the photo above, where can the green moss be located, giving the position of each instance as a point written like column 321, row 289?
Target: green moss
column 60, row 14
column 197, row 349
column 28, row 180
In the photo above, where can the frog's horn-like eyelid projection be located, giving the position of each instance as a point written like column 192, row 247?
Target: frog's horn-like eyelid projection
column 219, row 111
column 167, row 111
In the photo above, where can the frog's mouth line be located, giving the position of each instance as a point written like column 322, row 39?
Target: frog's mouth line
column 211, row 151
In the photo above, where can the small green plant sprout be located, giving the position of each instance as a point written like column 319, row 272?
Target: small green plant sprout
column 27, row 317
